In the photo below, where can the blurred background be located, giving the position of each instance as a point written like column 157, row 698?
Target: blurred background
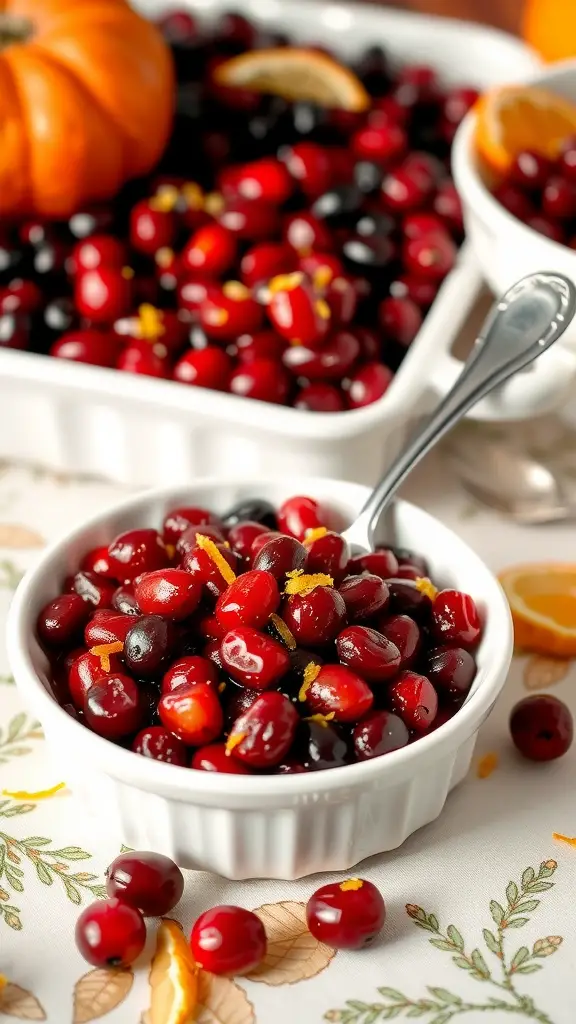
column 504, row 14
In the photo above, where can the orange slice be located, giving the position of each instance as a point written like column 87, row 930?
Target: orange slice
column 295, row 74
column 173, row 978
column 542, row 598
column 517, row 117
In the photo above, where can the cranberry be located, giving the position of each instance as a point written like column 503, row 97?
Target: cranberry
column 228, row 940
column 257, row 510
column 261, row 379
column 278, row 556
column 156, row 742
column 421, row 80
column 149, row 882
column 265, row 180
column 417, row 289
column 381, row 563
column 514, row 200
column 315, row 618
column 110, row 933
column 113, row 707
column 541, row 727
column 189, row 539
column 559, row 198
column 149, row 360
column 199, row 563
column 192, row 713
column 177, row 521
column 364, row 596
column 14, row 331
column 23, row 297
column 252, row 658
column 304, row 232
column 455, row 619
column 62, row 620
column 413, row 697
column 263, row 734
column 432, row 256
column 567, row 161
column 320, row 745
column 407, row 598
column 400, row 320
column 383, row 143
column 152, row 227
column 205, row 368
column 298, row 515
column 242, row 535
column 106, row 627
column 530, row 170
column 210, row 251
column 329, row 554
column 338, row 691
column 332, row 361
column 135, row 552
column 98, row 251
column 456, row 104
column 103, row 295
column 319, row 397
column 451, row 670
column 369, row 254
column 229, row 310
column 214, row 758
column 85, row 671
column 88, row 346
column 379, row 733
column 546, row 226
column 342, row 298
column 346, row 915
column 191, row 294
column 189, row 670
column 170, row 592
column 256, row 222
column 249, row 601
column 368, row 653
column 448, row 205
column 368, row 384
column 296, row 311
column 404, row 190
column 265, row 260
column 95, row 590
column 147, row 645
column 310, row 165
column 320, row 267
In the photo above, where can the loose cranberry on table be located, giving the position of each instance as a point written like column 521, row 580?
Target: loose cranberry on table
column 346, row 915
column 228, row 940
column 150, row 882
column 110, row 933
column 541, row 727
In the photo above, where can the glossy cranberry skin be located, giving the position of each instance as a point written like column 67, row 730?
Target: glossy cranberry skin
column 296, row 311
column 255, row 222
column 259, row 345
column 368, row 653
column 414, row 699
column 381, row 563
column 299, row 514
column 151, row 227
column 316, row 618
column 178, row 520
column 304, row 232
column 263, row 734
column 242, row 535
column 211, row 251
column 332, row 360
column 107, row 627
column 280, row 555
column 135, row 552
column 383, row 143
column 455, row 619
column 368, row 384
column 113, row 707
column 252, row 658
column 261, row 379
column 157, row 743
column 192, row 713
column 213, row 758
column 190, row 670
column 205, row 368
column 530, row 170
column 62, row 620
column 400, row 320
column 110, row 933
column 431, row 257
column 200, row 565
column 407, row 599
column 103, row 295
column 266, row 180
column 404, row 190
column 364, row 596
column 149, row 882
column 346, row 915
column 147, row 645
column 340, row 691
column 448, row 205
column 98, row 251
column 94, row 589
column 88, row 346
column 228, row 940
column 148, row 360
column 379, row 733
column 249, row 601
column 451, row 670
column 310, row 165
column 170, row 592
column 541, row 727
column 85, row 671
column 229, row 310
column 559, row 198
column 329, row 554
column 22, row 297
column 255, row 510
column 320, row 397
column 123, row 600
column 514, row 200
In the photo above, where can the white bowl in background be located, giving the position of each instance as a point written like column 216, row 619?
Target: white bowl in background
column 263, row 826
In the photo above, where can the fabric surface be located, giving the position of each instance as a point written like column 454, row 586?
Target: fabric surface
column 480, row 927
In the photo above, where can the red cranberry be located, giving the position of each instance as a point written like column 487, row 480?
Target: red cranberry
column 242, row 535
column 379, row 733
column 170, row 592
column 404, row 190
column 188, row 671
column 310, row 165
column 200, row 565
column 541, row 727
column 368, row 384
column 228, row 940
column 304, row 232
column 416, row 289
column 320, row 267
column 316, row 618
column 364, row 596
column 106, row 627
column 252, row 658
column 263, row 734
column 259, row 345
column 261, row 379
column 94, row 589
column 87, row 346
column 341, row 296
column 192, row 713
column 559, row 198
column 156, row 742
column 150, row 882
column 339, row 692
column 383, row 142
column 103, row 295
column 431, row 257
column 249, row 601
column 14, row 331
column 332, row 361
column 421, row 80
column 62, row 620
column 147, row 645
column 400, row 320
column 205, row 368
column 514, row 200
column 113, row 707
column 319, row 397
column 329, row 554
column 229, row 310
column 259, row 542
column 85, row 671
column 22, row 297
column 149, row 360
column 530, row 170
column 110, row 933
column 368, row 653
column 546, row 226
column 151, row 226
column 192, row 293
column 265, row 180
column 178, row 520
column 211, row 251
column 135, row 552
column 346, row 915
column 457, row 102
column 298, row 515
column 451, row 670
column 265, row 260
column 189, row 539
column 567, row 161
column 381, row 563
column 448, row 205
column 98, row 251
column 414, row 698
column 278, row 556
column 256, row 222
column 214, row 758
column 296, row 311
column 455, row 619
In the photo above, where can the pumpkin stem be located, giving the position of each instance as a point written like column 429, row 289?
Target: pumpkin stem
column 14, row 30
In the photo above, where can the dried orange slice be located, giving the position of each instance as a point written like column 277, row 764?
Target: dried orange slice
column 542, row 598
column 295, row 74
column 516, row 117
column 173, row 978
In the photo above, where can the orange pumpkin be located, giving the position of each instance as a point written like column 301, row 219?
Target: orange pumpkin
column 86, row 102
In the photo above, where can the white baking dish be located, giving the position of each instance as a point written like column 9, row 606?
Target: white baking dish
column 138, row 430
column 267, row 826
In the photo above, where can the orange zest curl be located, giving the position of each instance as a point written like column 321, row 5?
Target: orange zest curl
column 487, row 765
column 303, row 583
column 41, row 794
column 234, row 740
column 311, row 673
column 313, row 535
column 351, row 885
column 103, row 651
column 322, row 720
column 285, row 282
column 425, row 586
column 323, row 309
column 217, row 557
column 165, row 200
column 569, row 840
column 284, row 632
column 322, row 276
column 150, row 322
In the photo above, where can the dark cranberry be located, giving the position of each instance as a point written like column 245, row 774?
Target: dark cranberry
column 147, row 645
column 90, row 220
column 261, row 379
column 49, row 258
column 404, row 556
column 252, row 658
column 110, row 933
column 332, row 361
column 400, row 320
column 315, row 618
column 541, row 727
column 211, row 650
column 368, row 653
column 448, row 205
column 23, row 297
column 403, row 632
column 567, row 161
column 346, row 915
column 413, row 697
column 14, row 331
column 455, row 619
column 228, row 940
column 256, row 222
column 451, row 670
column 513, row 199
column 192, row 713
column 559, row 198
column 150, row 882
column 457, row 102
column 237, row 700
column 94, row 589
column 374, row 70
column 211, row 251
column 546, row 226
column 160, row 745
column 328, row 553
column 364, row 596
column 107, row 627
column 249, row 601
column 86, row 670
column 189, row 670
column 199, row 563
column 319, row 397
column 170, row 592
column 339, row 692
column 103, row 295
column 530, row 170
column 368, row 253
column 342, row 298
column 263, row 734
column 416, row 289
column 320, row 745
column 382, row 562
column 368, row 384
column 62, row 620
column 113, row 707
column 379, row 733
column 279, row 556
column 368, row 176
column 188, row 540
column 409, row 598
column 255, row 509
column 135, row 552
column 214, row 758
column 242, row 535
column 124, row 601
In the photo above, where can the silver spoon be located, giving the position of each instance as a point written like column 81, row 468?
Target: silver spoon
column 529, row 318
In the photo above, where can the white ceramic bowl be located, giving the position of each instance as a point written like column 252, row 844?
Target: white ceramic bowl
column 263, row 826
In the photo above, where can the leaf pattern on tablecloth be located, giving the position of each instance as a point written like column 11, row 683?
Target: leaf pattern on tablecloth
column 99, row 992
column 10, row 574
column 14, row 535
column 440, row 1005
column 15, row 735
column 17, row 1002
column 540, row 672
column 7, row 680
column 293, row 953
column 222, row 1001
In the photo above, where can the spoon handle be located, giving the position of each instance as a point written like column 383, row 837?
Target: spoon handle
column 522, row 325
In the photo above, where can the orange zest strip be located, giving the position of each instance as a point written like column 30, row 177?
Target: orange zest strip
column 221, row 687
column 103, row 651
column 193, row 195
column 150, row 322
column 234, row 740
column 42, row 794
column 351, row 885
column 425, row 586
column 170, row 551
column 311, row 673
column 487, row 765
column 323, row 309
column 304, row 583
column 165, row 200
column 285, row 282
column 321, row 719
column 284, row 632
column 569, row 840
column 236, row 291
column 217, row 557
column 322, row 276
column 313, row 535
column 214, row 204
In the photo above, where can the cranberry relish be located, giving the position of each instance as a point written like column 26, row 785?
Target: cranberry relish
column 542, row 193
column 282, row 252
column 254, row 642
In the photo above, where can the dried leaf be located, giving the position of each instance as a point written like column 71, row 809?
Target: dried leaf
column 17, row 1002
column 221, row 1001
column 540, row 673
column 100, row 991
column 293, row 952
column 13, row 535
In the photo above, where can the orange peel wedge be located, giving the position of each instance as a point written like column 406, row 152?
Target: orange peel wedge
column 173, row 978
column 542, row 598
column 513, row 118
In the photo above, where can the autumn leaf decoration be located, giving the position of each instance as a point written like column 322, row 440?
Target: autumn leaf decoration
column 18, row 1002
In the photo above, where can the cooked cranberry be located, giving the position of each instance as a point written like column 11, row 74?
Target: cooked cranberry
column 259, row 345
column 14, row 331
column 329, row 554
column 364, row 596
column 403, row 632
column 404, row 556
column 407, row 598
column 530, row 170
column 559, row 198
column 280, row 555
column 228, row 940
column 150, row 882
column 338, row 691
column 148, row 360
column 152, row 227
column 431, row 257
column 320, row 267
column 541, row 727
column 214, row 758
column 346, row 915
column 413, row 697
column 192, row 713
column 310, row 165
column 417, row 289
column 319, row 397
column 242, row 535
column 86, row 670
column 342, row 298
column 94, row 589
column 98, row 251
column 211, row 651
column 320, row 745
column 368, row 653
column 135, row 552
column 258, row 543
column 379, row 733
column 103, row 295
column 265, row 180
column 455, row 619
column 368, row 384
column 110, row 933
column 107, row 627
column 177, row 521
column 23, row 297
column 382, row 562
column 295, row 309
column 451, row 670
column 457, row 102
column 330, row 361
column 567, row 161
column 62, row 620
column 315, row 618
column 368, row 254
column 206, row 368
column 211, row 251
column 209, row 627
column 383, row 143
column 170, row 592
column 147, row 645
column 262, row 379
column 123, row 600
column 87, row 346
column 256, row 222
column 408, row 572
column 298, row 515
column 263, row 734
column 229, row 310
column 113, row 707
column 199, row 563
column 249, row 601
column 252, row 658
column 400, row 320
column 188, row 540
column 303, row 232
column 156, row 742
column 404, row 190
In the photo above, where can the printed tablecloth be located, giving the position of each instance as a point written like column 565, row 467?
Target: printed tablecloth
column 481, row 925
